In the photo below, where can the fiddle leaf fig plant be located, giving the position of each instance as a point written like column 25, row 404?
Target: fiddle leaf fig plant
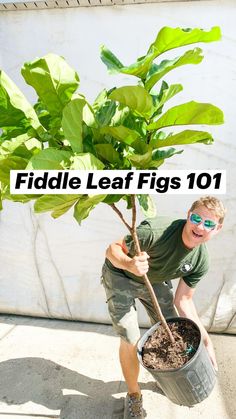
column 124, row 128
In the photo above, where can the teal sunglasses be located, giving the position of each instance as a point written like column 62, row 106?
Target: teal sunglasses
column 207, row 224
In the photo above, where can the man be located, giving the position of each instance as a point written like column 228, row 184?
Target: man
column 169, row 250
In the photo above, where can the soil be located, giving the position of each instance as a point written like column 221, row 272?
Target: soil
column 159, row 353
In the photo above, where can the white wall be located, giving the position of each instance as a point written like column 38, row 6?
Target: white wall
column 50, row 267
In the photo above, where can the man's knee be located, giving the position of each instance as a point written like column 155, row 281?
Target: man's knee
column 128, row 345
column 129, row 333
column 127, row 350
column 126, row 325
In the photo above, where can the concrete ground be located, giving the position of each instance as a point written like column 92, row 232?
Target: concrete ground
column 70, row 370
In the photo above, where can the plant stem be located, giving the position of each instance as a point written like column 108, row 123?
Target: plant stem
column 121, row 217
column 133, row 232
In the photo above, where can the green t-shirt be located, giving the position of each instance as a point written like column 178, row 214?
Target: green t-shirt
column 169, row 258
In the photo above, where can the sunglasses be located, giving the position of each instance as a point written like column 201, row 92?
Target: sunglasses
column 207, row 224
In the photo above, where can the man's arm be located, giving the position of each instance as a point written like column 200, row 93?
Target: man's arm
column 185, row 306
column 117, row 253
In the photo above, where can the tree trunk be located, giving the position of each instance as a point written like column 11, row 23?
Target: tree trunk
column 133, row 232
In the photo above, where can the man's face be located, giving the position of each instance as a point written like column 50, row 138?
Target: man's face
column 195, row 234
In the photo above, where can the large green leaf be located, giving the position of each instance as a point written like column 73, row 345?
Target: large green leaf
column 152, row 158
column 167, row 38
column 184, row 137
column 100, row 100
column 58, row 204
column 31, row 147
column 8, row 133
column 141, row 161
column 147, row 205
column 110, row 60
column 54, row 81
column 165, row 154
column 138, row 69
column 106, row 112
column 85, row 205
column 190, row 113
column 88, row 115
column 121, row 133
column 10, row 163
column 167, row 93
column 72, row 123
column 9, row 146
column 50, row 159
column 120, row 115
column 107, row 152
column 18, row 197
column 15, row 109
column 170, row 38
column 112, row 199
column 136, row 98
column 156, row 72
column 86, row 161
column 22, row 146
column 140, row 146
column 135, row 123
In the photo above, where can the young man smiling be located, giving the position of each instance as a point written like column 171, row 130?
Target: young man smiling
column 170, row 250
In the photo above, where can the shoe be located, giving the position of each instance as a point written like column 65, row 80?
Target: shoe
column 133, row 406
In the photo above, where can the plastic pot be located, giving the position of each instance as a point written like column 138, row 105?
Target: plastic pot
column 189, row 384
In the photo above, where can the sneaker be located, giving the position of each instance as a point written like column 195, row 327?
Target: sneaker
column 133, row 406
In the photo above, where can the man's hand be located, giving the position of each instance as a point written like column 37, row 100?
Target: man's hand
column 117, row 253
column 138, row 265
column 186, row 308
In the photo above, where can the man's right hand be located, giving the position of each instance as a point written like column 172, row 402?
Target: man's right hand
column 117, row 253
column 138, row 265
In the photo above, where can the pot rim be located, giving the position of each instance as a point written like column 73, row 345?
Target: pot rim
column 149, row 332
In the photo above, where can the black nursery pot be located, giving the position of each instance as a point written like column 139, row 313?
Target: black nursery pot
column 189, row 384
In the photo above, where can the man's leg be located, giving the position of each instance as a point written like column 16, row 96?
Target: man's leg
column 130, row 365
column 130, row 368
column 121, row 293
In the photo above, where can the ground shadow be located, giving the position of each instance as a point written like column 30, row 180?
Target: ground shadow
column 44, row 382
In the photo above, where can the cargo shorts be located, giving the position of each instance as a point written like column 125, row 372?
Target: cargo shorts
column 121, row 293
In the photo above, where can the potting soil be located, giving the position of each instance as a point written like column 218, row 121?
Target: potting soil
column 160, row 353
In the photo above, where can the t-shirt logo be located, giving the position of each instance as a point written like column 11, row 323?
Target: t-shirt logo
column 186, row 267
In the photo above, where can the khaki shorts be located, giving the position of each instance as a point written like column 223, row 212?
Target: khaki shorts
column 121, row 293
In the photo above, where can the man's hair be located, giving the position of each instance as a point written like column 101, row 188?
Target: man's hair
column 213, row 204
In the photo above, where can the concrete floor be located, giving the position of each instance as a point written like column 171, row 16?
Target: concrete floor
column 70, row 370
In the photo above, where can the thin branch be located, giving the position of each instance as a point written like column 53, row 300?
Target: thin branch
column 134, row 235
column 121, row 217
column 145, row 277
column 133, row 211
column 134, row 231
